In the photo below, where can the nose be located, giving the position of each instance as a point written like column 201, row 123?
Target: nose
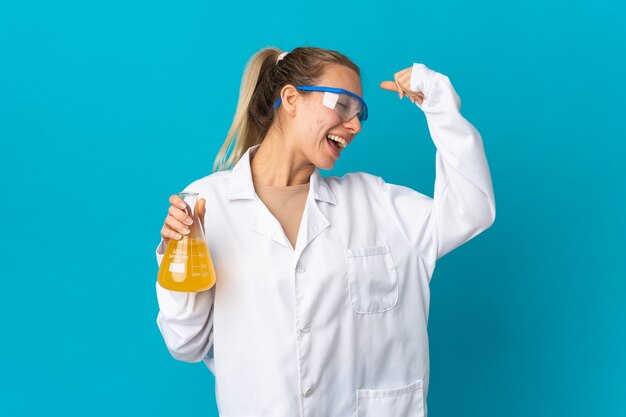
column 354, row 125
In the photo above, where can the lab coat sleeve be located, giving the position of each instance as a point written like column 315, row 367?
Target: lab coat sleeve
column 463, row 204
column 186, row 321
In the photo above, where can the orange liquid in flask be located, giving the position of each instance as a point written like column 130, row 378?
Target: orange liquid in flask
column 187, row 265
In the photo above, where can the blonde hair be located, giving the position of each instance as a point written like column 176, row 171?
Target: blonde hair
column 263, row 78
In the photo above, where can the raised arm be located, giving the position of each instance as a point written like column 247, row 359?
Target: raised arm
column 463, row 204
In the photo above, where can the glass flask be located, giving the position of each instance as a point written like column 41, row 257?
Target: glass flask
column 187, row 265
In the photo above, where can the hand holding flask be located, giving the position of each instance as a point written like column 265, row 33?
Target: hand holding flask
column 187, row 265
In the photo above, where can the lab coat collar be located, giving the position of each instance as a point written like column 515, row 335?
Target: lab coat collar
column 241, row 186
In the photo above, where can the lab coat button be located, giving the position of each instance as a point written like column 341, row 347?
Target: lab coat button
column 305, row 329
column 308, row 391
column 300, row 268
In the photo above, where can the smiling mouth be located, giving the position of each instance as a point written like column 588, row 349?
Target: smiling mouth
column 338, row 142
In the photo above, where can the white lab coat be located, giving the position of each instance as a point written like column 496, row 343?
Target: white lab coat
column 337, row 326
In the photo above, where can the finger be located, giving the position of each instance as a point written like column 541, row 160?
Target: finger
column 405, row 71
column 201, row 207
column 400, row 78
column 180, row 215
column 175, row 200
column 167, row 233
column 398, row 86
column 389, row 85
column 201, row 210
column 415, row 99
column 416, row 96
column 403, row 74
column 176, row 226
column 404, row 78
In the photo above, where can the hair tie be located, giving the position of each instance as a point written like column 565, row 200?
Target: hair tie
column 281, row 56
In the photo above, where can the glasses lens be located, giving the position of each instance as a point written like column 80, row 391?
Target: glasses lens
column 347, row 107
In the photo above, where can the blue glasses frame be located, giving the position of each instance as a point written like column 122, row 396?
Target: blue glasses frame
column 362, row 115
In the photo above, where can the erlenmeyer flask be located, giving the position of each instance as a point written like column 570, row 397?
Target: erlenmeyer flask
column 187, row 265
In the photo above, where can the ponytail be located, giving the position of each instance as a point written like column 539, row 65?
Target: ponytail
column 244, row 132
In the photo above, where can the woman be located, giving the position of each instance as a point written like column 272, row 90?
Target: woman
column 322, row 295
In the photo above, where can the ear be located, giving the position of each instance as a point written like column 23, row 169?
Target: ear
column 289, row 98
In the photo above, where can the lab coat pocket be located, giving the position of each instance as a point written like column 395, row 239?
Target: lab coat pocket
column 372, row 279
column 407, row 401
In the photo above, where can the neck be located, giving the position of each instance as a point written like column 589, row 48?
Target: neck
column 278, row 164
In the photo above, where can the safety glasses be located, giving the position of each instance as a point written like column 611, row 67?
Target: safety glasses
column 345, row 103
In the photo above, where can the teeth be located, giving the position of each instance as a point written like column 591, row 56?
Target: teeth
column 342, row 142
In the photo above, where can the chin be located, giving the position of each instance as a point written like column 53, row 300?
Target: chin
column 325, row 164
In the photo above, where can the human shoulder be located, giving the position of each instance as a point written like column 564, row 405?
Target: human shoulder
column 211, row 182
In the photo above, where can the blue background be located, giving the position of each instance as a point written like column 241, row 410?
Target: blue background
column 107, row 108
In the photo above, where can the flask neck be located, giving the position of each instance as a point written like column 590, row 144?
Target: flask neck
column 191, row 200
